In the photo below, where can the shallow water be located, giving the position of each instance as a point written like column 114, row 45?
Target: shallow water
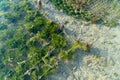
column 101, row 63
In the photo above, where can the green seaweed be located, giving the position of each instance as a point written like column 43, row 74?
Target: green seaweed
column 32, row 44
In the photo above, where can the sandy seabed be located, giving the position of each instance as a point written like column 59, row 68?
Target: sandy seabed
column 101, row 63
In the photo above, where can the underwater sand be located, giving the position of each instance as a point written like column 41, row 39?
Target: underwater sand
column 103, row 60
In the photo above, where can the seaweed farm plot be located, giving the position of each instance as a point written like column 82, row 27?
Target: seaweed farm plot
column 96, row 11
